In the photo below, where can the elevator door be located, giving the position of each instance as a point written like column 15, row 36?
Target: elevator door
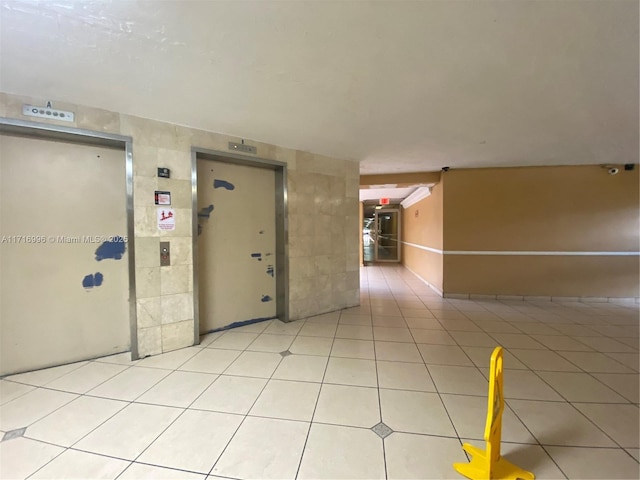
column 64, row 285
column 236, row 244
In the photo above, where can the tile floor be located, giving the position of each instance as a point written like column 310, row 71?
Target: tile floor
column 389, row 389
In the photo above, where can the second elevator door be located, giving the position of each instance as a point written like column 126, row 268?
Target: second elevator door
column 236, row 244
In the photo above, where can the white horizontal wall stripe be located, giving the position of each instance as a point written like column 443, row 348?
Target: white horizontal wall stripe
column 422, row 247
column 523, row 253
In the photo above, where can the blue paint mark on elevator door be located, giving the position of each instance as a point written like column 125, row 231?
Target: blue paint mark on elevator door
column 270, row 270
column 111, row 249
column 223, row 184
column 257, row 255
column 92, row 280
column 266, row 298
column 206, row 211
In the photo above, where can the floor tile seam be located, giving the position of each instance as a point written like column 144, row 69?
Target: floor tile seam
column 245, row 416
column 160, row 466
column 559, row 352
column 50, row 413
column 65, row 449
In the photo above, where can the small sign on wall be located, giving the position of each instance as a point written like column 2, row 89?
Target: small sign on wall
column 163, row 198
column 166, row 219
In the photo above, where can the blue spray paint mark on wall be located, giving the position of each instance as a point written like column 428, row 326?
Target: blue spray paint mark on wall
column 270, row 270
column 92, row 280
column 266, row 298
column 206, row 211
column 223, row 184
column 257, row 255
column 111, row 249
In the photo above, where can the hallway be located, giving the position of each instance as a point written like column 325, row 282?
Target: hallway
column 389, row 389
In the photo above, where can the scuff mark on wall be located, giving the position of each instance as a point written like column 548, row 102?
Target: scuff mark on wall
column 92, row 280
column 270, row 270
column 111, row 249
column 257, row 255
column 261, row 232
column 217, row 183
column 206, row 211
column 266, row 298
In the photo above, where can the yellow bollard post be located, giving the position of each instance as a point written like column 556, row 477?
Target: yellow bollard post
column 488, row 464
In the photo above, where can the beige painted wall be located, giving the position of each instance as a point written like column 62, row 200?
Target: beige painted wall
column 425, row 230
column 323, row 221
column 565, row 209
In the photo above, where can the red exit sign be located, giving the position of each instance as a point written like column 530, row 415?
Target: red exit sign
column 384, row 201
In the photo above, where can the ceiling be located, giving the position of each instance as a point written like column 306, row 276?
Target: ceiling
column 398, row 86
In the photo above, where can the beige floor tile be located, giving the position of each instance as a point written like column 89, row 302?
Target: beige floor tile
column 389, row 322
column 580, row 387
column 458, row 324
column 127, row 434
column 355, row 453
column 620, row 422
column 354, row 332
column 392, row 334
column 512, row 340
column 415, row 412
column 179, row 389
column 396, row 351
column 12, row 390
column 138, row 471
column 432, row 337
column 287, row 400
column 444, row 355
column 170, row 360
column 631, row 360
column 606, row 345
column 421, row 457
column 316, row 329
column 73, row 421
column 543, row 360
column 336, row 406
column 303, row 368
column 273, row 343
column 129, row 384
column 86, row 377
column 473, row 339
column 350, row 371
column 45, row 376
column 231, row 340
column 556, row 423
column 280, row 328
column 30, row 407
column 207, row 338
column 73, row 464
column 311, row 346
column 254, row 364
column 625, row 384
column 210, row 360
column 193, row 442
column 119, row 359
column 594, row 463
column 352, row 319
column 423, row 323
column 404, row 376
column 353, row 349
column 263, row 438
column 595, row 362
column 526, row 385
column 21, row 457
column 461, row 380
column 231, row 394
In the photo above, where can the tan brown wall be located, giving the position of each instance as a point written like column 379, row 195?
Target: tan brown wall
column 425, row 230
column 541, row 209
